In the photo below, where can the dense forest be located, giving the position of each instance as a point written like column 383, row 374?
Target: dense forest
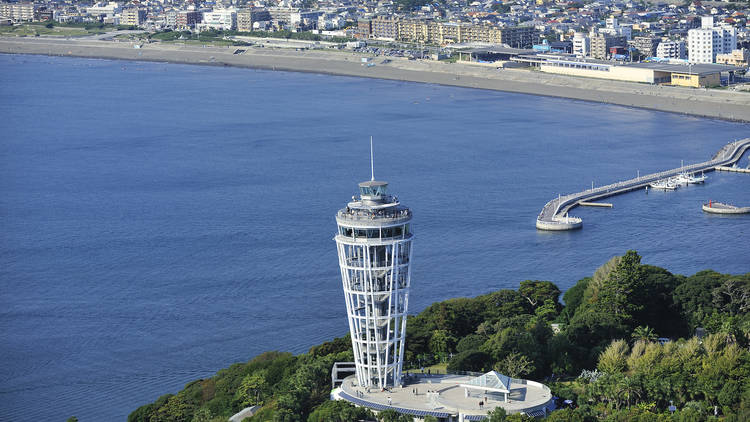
column 622, row 346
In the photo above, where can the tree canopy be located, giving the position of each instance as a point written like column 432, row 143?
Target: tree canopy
column 608, row 347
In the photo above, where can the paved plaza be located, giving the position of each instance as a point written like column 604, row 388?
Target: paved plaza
column 432, row 394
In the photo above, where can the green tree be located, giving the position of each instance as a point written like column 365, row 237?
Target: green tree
column 614, row 358
column 658, row 309
column 176, row 409
column 498, row 414
column 515, row 365
column 547, row 312
column 391, row 415
column 470, row 360
column 694, row 296
column 733, row 295
column 470, row 342
column 442, row 343
column 202, row 415
column 644, row 334
column 250, row 391
column 537, row 293
column 338, row 411
column 619, row 286
column 573, row 298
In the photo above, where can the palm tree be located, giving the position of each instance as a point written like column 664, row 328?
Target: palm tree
column 645, row 334
column 630, row 388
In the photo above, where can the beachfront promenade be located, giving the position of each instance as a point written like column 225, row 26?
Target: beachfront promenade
column 554, row 214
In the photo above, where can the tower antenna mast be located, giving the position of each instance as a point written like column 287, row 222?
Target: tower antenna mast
column 372, row 162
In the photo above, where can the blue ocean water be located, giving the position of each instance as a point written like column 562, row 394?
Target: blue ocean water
column 159, row 222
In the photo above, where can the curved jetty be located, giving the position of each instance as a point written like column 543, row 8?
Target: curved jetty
column 554, row 215
column 722, row 208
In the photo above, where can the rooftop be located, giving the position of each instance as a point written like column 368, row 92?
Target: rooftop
column 695, row 69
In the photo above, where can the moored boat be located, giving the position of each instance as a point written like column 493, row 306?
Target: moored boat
column 664, row 184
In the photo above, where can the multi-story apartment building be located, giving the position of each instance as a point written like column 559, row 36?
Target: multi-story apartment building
column 282, row 14
column 706, row 42
column 671, row 50
column 187, row 19
column 601, row 43
column 519, row 37
column 613, row 28
column 431, row 32
column 385, row 27
column 364, row 28
column 170, row 18
column 248, row 17
column 133, row 16
column 414, row 30
column 646, row 46
column 104, row 9
column 222, row 19
column 17, row 12
column 581, row 46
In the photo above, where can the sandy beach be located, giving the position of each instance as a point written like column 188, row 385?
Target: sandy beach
column 722, row 104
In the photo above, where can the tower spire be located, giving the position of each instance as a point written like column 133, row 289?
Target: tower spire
column 372, row 162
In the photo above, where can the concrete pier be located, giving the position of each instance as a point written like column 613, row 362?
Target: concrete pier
column 736, row 170
column 554, row 215
column 595, row 204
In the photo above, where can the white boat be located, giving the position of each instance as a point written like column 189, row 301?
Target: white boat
column 687, row 178
column 695, row 179
column 664, row 184
column 681, row 179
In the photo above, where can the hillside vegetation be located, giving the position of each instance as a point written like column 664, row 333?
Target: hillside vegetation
column 605, row 356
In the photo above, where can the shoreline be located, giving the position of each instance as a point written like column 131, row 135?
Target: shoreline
column 718, row 104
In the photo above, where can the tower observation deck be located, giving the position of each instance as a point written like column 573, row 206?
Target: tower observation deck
column 374, row 249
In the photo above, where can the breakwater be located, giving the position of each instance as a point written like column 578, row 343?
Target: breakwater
column 554, row 215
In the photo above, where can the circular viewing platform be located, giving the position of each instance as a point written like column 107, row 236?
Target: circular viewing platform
column 447, row 398
column 559, row 223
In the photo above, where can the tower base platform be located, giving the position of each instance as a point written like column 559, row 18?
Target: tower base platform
column 444, row 397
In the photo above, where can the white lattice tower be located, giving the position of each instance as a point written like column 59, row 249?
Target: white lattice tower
column 374, row 248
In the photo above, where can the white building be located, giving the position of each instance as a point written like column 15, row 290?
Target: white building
column 614, row 28
column 329, row 21
column 581, row 46
column 104, row 9
column 706, row 42
column 671, row 50
column 17, row 12
column 304, row 18
column 222, row 19
column 170, row 19
column 374, row 247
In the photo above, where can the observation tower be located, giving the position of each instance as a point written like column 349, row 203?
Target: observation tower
column 374, row 248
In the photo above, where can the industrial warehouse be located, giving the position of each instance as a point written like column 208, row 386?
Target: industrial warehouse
column 663, row 72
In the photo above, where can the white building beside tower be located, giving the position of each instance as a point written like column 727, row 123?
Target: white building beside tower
column 374, row 242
